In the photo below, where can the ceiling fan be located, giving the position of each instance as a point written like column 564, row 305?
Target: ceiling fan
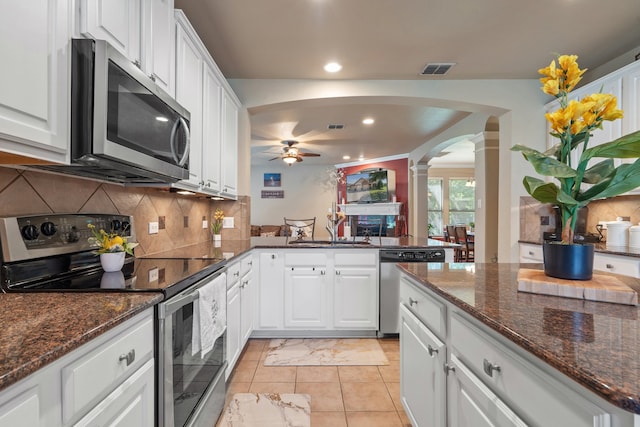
column 291, row 154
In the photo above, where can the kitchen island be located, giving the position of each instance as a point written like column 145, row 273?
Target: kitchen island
column 590, row 349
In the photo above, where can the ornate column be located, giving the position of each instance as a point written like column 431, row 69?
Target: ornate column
column 487, row 196
column 418, row 201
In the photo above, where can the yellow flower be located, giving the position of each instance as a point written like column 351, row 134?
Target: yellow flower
column 216, row 224
column 109, row 242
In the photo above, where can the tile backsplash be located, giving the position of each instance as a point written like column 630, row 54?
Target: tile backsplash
column 28, row 192
column 533, row 213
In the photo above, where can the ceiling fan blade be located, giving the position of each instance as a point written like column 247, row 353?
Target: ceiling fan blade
column 309, row 154
column 299, row 159
column 275, row 158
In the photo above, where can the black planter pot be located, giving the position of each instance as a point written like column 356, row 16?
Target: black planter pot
column 573, row 262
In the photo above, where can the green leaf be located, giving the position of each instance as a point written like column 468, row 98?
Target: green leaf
column 625, row 178
column 544, row 164
column 598, row 172
column 545, row 192
column 625, row 147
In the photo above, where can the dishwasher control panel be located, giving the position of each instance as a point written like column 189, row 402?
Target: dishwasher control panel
column 412, row 255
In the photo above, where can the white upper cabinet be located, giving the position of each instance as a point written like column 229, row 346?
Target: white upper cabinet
column 116, row 21
column 34, row 80
column 211, row 135
column 230, row 109
column 158, row 38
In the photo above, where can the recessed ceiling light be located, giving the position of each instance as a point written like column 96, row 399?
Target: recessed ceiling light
column 332, row 67
column 346, row 157
column 361, row 158
column 368, row 121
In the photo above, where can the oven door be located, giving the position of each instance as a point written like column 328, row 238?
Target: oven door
column 191, row 387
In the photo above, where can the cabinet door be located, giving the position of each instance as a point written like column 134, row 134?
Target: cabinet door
column 422, row 378
column 271, row 291
column 189, row 69
column 211, row 138
column 130, row 405
column 34, row 81
column 247, row 309
column 305, row 297
column 158, row 46
column 23, row 410
column 229, row 145
column 116, row 21
column 472, row 404
column 233, row 328
column 355, row 298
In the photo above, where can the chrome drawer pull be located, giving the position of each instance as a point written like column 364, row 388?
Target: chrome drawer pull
column 530, row 253
column 490, row 367
column 448, row 368
column 609, row 265
column 412, row 301
column 129, row 357
column 431, row 350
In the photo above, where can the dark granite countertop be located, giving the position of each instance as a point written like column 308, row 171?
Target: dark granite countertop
column 38, row 328
column 375, row 242
column 602, row 352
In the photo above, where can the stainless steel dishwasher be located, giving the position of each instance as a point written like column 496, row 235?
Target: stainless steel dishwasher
column 390, row 283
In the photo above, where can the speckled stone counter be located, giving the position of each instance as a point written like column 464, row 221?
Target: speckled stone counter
column 375, row 242
column 38, row 328
column 596, row 344
column 602, row 247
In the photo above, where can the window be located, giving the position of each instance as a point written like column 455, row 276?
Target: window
column 434, row 213
column 461, row 201
column 450, row 201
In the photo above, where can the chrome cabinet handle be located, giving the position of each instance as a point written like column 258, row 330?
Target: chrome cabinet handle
column 431, row 350
column 152, row 76
column 412, row 301
column 237, row 273
column 489, row 367
column 609, row 266
column 129, row 357
column 531, row 253
column 136, row 63
column 250, row 262
column 448, row 368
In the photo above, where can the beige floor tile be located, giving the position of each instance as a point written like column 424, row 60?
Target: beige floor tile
column 244, row 371
column 406, row 422
column 391, row 372
column 389, row 344
column 251, row 355
column 324, row 396
column 366, row 397
column 373, row 419
column 353, row 374
column 328, row 419
column 317, row 374
column 280, row 388
column 236, row 387
column 257, row 344
column 394, row 392
column 270, row 374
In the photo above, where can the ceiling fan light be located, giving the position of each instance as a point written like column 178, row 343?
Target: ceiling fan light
column 289, row 160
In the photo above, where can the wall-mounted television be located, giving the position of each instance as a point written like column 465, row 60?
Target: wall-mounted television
column 371, row 186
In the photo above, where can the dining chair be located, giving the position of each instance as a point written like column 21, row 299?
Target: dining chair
column 467, row 245
column 451, row 232
column 299, row 228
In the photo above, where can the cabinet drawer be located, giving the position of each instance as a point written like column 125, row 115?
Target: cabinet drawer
column 96, row 373
column 313, row 258
column 349, row 257
column 430, row 311
column 516, row 380
column 530, row 253
column 233, row 274
column 245, row 265
column 617, row 264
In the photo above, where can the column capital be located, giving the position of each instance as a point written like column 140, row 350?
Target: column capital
column 420, row 169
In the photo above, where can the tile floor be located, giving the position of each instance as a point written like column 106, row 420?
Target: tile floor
column 341, row 396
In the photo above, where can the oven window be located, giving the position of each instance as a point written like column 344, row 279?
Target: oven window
column 192, row 374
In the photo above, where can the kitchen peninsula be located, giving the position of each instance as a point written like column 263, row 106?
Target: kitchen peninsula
column 536, row 359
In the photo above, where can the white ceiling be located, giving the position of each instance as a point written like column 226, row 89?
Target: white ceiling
column 395, row 39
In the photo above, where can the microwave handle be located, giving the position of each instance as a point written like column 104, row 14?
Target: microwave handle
column 172, row 143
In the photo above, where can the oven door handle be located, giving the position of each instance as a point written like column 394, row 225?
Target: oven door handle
column 174, row 304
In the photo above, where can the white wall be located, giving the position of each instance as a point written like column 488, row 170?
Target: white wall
column 306, row 194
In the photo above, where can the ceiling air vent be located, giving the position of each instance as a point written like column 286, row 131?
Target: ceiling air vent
column 437, row 68
column 335, row 126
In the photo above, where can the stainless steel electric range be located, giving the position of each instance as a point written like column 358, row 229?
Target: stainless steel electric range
column 51, row 253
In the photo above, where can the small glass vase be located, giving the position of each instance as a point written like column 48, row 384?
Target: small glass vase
column 112, row 261
column 217, row 237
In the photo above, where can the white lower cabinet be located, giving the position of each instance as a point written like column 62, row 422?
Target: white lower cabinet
column 455, row 371
column 328, row 290
column 233, row 328
column 422, row 385
column 240, row 309
column 107, row 381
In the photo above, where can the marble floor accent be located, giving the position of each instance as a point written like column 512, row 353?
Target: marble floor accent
column 267, row 410
column 341, row 396
column 318, row 352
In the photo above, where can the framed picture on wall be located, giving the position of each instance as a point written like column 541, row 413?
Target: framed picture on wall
column 272, row 180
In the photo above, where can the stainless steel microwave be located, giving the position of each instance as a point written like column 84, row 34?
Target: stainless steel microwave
column 124, row 128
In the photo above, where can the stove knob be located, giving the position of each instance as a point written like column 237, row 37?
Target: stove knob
column 30, row 232
column 126, row 228
column 116, row 225
column 48, row 228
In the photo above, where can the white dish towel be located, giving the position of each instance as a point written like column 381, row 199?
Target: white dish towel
column 209, row 315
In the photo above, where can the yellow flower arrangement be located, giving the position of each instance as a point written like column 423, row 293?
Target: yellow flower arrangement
column 572, row 123
column 216, row 224
column 109, row 242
